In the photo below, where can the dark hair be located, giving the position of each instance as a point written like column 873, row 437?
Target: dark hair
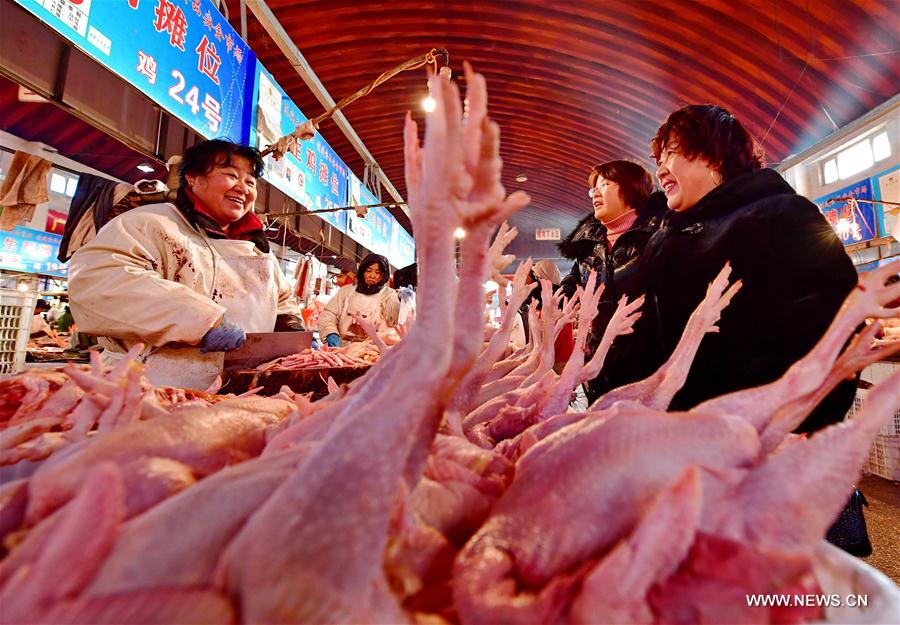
column 365, row 263
column 407, row 276
column 712, row 133
column 373, row 259
column 41, row 305
column 635, row 182
column 202, row 157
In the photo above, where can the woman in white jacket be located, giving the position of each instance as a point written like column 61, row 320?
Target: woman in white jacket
column 188, row 279
column 370, row 298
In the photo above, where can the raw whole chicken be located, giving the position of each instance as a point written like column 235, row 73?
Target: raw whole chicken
column 450, row 483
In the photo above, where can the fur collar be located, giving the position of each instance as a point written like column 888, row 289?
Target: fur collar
column 581, row 241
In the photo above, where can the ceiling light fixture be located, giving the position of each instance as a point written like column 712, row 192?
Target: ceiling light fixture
column 144, row 167
column 459, row 233
column 429, row 103
column 521, row 178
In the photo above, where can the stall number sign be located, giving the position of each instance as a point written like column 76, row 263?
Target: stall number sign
column 31, row 251
column 547, row 234
column 181, row 53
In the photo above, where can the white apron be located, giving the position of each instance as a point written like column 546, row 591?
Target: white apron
column 366, row 306
column 244, row 284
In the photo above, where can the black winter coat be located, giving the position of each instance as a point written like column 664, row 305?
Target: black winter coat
column 587, row 245
column 795, row 276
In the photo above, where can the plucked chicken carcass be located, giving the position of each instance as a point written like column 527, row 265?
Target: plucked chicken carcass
column 44, row 411
column 517, row 568
column 450, row 483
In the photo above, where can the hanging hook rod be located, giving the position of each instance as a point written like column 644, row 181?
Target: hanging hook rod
column 284, row 143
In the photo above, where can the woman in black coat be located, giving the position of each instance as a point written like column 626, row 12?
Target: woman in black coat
column 725, row 207
column 609, row 241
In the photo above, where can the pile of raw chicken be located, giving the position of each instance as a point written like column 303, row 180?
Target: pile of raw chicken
column 448, row 484
column 359, row 354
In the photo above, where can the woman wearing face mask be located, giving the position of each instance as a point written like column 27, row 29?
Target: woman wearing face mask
column 370, row 298
column 626, row 212
column 725, row 207
column 187, row 279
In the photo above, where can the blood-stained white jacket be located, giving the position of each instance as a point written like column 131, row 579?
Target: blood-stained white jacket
column 382, row 309
column 150, row 276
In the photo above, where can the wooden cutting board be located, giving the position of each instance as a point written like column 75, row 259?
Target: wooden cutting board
column 263, row 347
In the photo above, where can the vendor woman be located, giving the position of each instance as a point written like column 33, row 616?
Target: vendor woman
column 370, row 298
column 188, row 279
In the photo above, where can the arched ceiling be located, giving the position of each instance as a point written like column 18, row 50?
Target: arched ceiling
column 576, row 83
column 571, row 84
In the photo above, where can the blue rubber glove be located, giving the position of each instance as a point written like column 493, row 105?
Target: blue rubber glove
column 315, row 345
column 224, row 337
column 333, row 340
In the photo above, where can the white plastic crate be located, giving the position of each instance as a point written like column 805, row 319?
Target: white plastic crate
column 884, row 457
column 16, row 312
column 874, row 374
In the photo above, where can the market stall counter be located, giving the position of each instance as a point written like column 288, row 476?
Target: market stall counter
column 268, row 364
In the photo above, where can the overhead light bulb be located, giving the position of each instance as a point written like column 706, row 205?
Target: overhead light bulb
column 429, row 103
column 459, row 233
column 144, row 167
column 521, row 178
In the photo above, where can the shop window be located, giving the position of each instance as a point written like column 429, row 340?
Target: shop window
column 855, row 159
column 881, row 146
column 830, row 173
column 70, row 186
column 58, row 183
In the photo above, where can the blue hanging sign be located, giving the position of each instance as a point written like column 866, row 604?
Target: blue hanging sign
column 403, row 248
column 374, row 230
column 852, row 221
column 311, row 172
column 379, row 230
column 182, row 54
column 31, row 251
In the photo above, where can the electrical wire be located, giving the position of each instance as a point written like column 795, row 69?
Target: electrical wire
column 283, row 144
column 783, row 104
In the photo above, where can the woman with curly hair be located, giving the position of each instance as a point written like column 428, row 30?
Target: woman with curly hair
column 724, row 206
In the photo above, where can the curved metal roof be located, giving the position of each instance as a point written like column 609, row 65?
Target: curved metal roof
column 576, row 83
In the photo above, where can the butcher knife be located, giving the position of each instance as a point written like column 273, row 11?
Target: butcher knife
column 262, row 347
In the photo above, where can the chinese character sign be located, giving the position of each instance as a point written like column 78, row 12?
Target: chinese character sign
column 852, row 221
column 379, row 231
column 182, row 54
column 366, row 230
column 403, row 248
column 311, row 172
column 31, row 251
column 547, row 234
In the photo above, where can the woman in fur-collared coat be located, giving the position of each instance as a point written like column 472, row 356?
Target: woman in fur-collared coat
column 609, row 241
